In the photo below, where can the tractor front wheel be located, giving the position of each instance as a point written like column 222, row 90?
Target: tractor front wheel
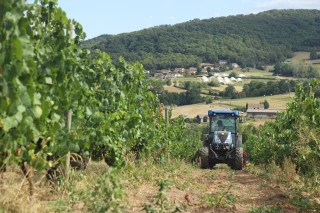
column 238, row 159
column 204, row 157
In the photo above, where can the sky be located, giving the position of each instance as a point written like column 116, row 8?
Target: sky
column 123, row 16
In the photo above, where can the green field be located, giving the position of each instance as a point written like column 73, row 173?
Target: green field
column 275, row 101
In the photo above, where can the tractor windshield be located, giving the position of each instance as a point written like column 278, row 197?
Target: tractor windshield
column 223, row 122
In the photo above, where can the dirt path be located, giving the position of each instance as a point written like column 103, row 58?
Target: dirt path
column 217, row 190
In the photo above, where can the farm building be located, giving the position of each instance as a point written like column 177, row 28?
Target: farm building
column 202, row 118
column 262, row 113
column 255, row 106
column 227, row 80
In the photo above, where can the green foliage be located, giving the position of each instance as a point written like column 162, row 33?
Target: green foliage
column 230, row 92
column 249, row 40
column 94, row 41
column 156, row 87
column 246, row 130
column 314, row 55
column 169, row 82
column 233, row 74
column 293, row 135
column 39, row 73
column 185, row 140
column 265, row 104
column 191, row 96
column 214, row 83
column 300, row 70
column 44, row 72
column 259, row 88
column 107, row 195
column 208, row 99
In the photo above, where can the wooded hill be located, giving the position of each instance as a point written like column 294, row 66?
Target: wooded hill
column 248, row 40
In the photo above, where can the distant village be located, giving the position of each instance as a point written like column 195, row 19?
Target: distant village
column 205, row 69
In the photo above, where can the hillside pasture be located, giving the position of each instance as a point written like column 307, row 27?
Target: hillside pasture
column 299, row 57
column 303, row 57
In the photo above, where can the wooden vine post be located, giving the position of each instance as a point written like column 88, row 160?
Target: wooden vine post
column 68, row 116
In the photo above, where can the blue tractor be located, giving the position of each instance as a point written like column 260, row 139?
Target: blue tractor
column 223, row 144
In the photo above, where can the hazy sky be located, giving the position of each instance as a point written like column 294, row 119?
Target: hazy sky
column 120, row 16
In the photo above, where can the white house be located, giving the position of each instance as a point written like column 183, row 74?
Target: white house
column 216, row 75
column 204, row 79
column 233, row 79
column 227, row 80
column 222, row 62
column 242, row 75
column 220, row 80
column 235, row 65
column 239, row 79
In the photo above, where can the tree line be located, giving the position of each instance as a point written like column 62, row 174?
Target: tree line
column 260, row 88
column 249, row 40
column 192, row 95
column 299, row 70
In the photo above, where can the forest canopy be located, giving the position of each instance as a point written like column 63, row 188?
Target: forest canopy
column 267, row 37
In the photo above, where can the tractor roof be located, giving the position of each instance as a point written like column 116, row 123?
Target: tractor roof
column 234, row 112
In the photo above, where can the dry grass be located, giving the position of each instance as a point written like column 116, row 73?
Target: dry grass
column 15, row 193
column 15, row 197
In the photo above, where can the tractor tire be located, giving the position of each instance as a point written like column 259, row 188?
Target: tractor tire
column 239, row 142
column 212, row 163
column 204, row 157
column 238, row 159
column 205, row 139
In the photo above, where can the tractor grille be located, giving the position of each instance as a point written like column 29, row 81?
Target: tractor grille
column 222, row 136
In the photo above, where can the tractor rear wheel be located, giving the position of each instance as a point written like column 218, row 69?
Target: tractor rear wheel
column 238, row 159
column 204, row 157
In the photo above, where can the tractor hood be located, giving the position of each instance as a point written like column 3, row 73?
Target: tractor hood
column 222, row 137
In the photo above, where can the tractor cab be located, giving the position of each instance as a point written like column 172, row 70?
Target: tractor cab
column 223, row 127
column 222, row 144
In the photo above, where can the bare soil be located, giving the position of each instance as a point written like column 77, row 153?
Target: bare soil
column 192, row 187
column 248, row 191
